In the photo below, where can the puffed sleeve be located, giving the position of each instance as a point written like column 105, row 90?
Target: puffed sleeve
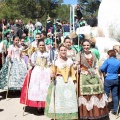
column 72, row 73
column 10, row 50
column 54, row 69
column 33, row 57
column 78, row 57
column 48, row 58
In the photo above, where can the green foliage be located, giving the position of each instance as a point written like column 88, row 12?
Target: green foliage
column 33, row 9
column 89, row 6
column 63, row 12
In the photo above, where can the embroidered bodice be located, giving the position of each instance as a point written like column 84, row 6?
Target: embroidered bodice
column 89, row 61
column 87, row 66
column 15, row 52
column 40, row 59
column 65, row 69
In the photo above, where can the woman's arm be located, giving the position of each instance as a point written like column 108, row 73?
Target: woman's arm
column 33, row 59
column 9, row 52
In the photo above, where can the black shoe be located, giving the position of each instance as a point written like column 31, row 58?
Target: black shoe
column 41, row 110
column 1, row 97
column 114, row 113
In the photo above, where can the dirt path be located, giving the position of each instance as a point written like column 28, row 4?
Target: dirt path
column 11, row 109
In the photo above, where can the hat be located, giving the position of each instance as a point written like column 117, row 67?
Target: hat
column 59, row 23
column 75, row 15
column 93, row 40
column 48, row 18
column 117, row 47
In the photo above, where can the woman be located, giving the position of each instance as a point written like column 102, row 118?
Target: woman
column 37, row 81
column 16, row 66
column 92, row 101
column 64, row 93
column 24, row 49
column 70, row 52
column 110, row 67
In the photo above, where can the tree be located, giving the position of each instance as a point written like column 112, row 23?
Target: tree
column 33, row 9
column 9, row 11
column 89, row 6
column 29, row 8
column 63, row 12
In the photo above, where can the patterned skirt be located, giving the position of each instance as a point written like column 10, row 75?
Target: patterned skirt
column 92, row 100
column 63, row 97
column 12, row 74
column 35, row 87
column 0, row 59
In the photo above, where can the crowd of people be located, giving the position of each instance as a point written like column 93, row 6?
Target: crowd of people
column 55, row 72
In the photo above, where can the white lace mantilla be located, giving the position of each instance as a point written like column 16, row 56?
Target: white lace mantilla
column 94, row 101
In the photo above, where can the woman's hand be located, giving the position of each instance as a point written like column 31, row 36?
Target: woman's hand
column 9, row 56
column 52, row 75
column 31, row 63
column 75, row 67
column 75, row 84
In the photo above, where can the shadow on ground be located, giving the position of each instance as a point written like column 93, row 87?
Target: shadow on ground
column 1, row 110
column 35, row 111
column 11, row 94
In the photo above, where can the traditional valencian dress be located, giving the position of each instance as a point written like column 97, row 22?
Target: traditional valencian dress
column 17, row 70
column 64, row 92
column 1, row 45
column 38, row 81
column 92, row 100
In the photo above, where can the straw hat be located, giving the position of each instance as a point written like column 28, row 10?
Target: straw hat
column 75, row 15
column 93, row 40
column 48, row 18
column 117, row 47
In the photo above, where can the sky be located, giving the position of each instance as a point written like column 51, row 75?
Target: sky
column 70, row 2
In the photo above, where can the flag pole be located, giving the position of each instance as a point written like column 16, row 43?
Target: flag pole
column 54, row 66
column 3, row 44
column 8, row 78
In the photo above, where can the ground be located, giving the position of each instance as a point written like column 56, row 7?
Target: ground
column 11, row 109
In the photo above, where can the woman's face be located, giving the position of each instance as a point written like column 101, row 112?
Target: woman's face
column 68, row 43
column 16, row 41
column 41, row 46
column 86, row 46
column 38, row 37
column 63, row 52
column 22, row 41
